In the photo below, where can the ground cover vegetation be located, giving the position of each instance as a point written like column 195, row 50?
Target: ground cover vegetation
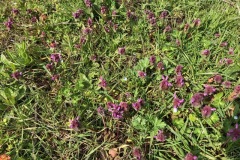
column 119, row 79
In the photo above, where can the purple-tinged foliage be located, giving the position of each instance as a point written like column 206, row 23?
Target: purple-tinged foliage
column 74, row 123
column 88, row 3
column 90, row 22
column 9, row 24
column 34, row 19
column 190, row 156
column 217, row 35
column 152, row 59
column 15, row 11
column 50, row 66
column 87, row 30
column 164, row 85
column 197, row 99
column 160, row 66
column 137, row 105
column 78, row 13
column 207, row 111
column 237, row 89
column 136, row 153
column 197, row 22
column 209, row 90
column 103, row 9
column 124, row 105
column 167, row 29
column 186, row 27
column 234, row 133
column 163, row 14
column 179, row 80
column 160, row 137
column 178, row 69
column 178, row 43
column 55, row 77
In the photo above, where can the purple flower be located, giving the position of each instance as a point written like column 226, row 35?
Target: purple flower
column 74, row 123
column 114, row 13
column 167, row 29
column 53, row 44
column 34, row 19
column 121, row 50
column 196, row 99
column 117, row 110
column 190, row 156
column 207, row 111
column 178, row 69
column 237, row 89
column 131, row 15
column 160, row 137
column 16, row 75
column 217, row 35
column 153, row 21
column 55, row 77
column 83, row 40
column 124, row 105
column 228, row 61
column 9, row 23
column 163, row 14
column 136, row 153
column 197, row 22
column 231, row 51
column 164, row 85
column 176, row 102
column 227, row 84
column 160, row 66
column 209, row 90
column 206, row 52
column 137, row 105
column 142, row 74
column 223, row 44
column 49, row 66
column 178, row 43
column 90, row 22
column 88, row 3
column 15, row 11
column 100, row 111
column 234, row 133
column 186, row 27
column 179, row 80
column 152, row 60
column 56, row 57
column 87, row 30
column 103, row 9
column 102, row 83
column 78, row 13
column 218, row 78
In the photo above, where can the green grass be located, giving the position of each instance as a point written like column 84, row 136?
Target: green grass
column 35, row 110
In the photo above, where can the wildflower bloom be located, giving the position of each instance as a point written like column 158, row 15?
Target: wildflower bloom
column 228, row 61
column 56, row 57
column 88, row 3
column 196, row 99
column 167, row 29
column 87, row 30
column 176, row 102
column 237, row 89
column 231, row 51
column 179, row 80
column 207, row 111
column 55, row 77
column 186, row 27
column 206, row 52
column 117, row 110
column 121, row 50
column 218, row 78
column 209, row 90
column 100, row 111
column 131, row 15
column 137, row 105
column 53, row 44
column 124, row 105
column 227, row 84
column 74, row 123
column 34, row 19
column 164, row 85
column 49, row 66
column 223, row 44
column 160, row 137
column 178, row 69
column 197, row 22
column 9, row 23
column 102, row 82
column 217, row 35
column 190, row 156
column 160, row 66
column 15, row 11
column 163, row 14
column 78, row 13
column 178, row 43
column 234, row 133
column 136, row 153
column 141, row 74
column 152, row 59
column 114, row 13
column 16, row 75
column 103, row 9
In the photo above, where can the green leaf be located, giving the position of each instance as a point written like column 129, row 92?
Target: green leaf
column 8, row 63
column 192, row 117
